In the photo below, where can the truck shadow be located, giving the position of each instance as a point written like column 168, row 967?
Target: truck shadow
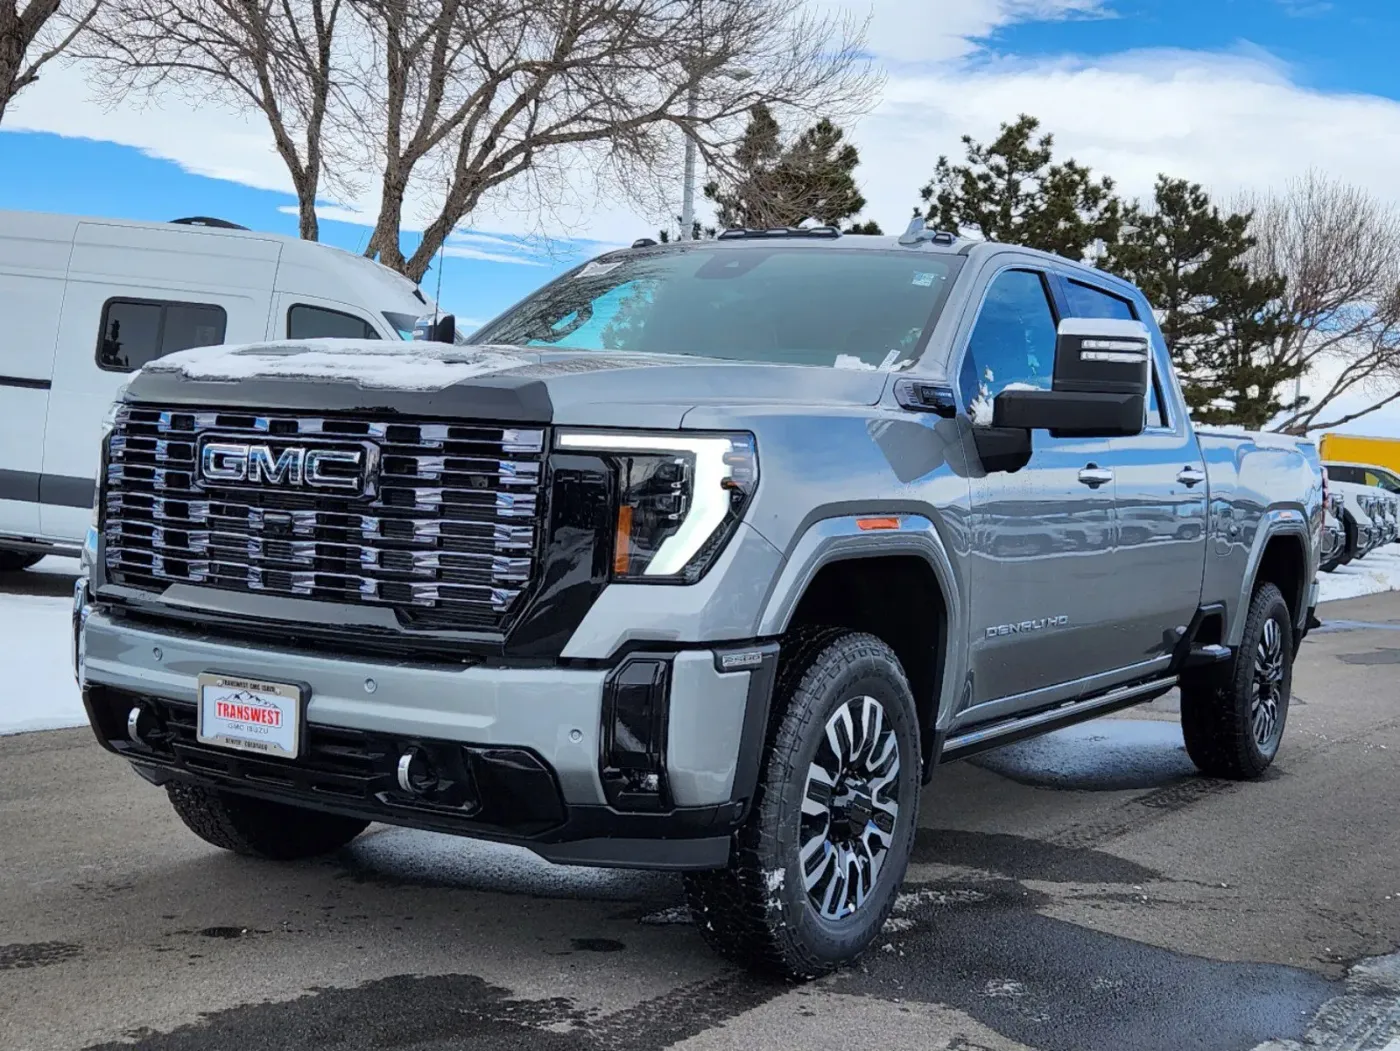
column 52, row 577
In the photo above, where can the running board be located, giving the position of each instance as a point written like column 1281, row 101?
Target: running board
column 962, row 745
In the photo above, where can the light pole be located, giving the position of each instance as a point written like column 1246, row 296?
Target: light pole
column 692, row 110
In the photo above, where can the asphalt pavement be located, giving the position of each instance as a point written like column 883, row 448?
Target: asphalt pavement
column 1083, row 892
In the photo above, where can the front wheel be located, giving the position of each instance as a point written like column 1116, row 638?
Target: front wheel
column 1233, row 720
column 817, row 865
column 258, row 827
column 15, row 561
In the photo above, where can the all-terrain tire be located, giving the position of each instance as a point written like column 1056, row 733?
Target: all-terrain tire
column 260, row 828
column 1219, row 707
column 15, row 561
column 757, row 912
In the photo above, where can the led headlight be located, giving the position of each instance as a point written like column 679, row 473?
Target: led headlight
column 679, row 498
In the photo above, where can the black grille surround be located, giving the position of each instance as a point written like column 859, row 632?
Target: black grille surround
column 448, row 533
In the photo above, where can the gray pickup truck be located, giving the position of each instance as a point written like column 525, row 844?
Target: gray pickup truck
column 701, row 558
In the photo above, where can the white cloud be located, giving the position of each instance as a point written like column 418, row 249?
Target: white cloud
column 1230, row 121
column 467, row 252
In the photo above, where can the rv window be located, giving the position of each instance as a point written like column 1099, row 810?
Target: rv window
column 137, row 331
column 304, row 322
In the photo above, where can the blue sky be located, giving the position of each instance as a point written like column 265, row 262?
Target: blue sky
column 1342, row 45
column 1239, row 94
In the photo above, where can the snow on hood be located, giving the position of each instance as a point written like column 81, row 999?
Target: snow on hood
column 370, row 363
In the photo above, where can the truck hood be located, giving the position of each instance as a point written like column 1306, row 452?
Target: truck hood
column 509, row 384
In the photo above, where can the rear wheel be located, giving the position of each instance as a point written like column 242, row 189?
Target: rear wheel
column 1233, row 720
column 1352, row 546
column 14, row 561
column 818, row 863
column 257, row 827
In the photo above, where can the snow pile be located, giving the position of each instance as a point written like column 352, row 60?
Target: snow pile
column 377, row 364
column 36, row 656
column 1378, row 571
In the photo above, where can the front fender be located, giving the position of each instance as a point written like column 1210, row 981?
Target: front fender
column 842, row 538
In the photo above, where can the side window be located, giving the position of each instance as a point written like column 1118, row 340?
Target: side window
column 307, row 322
column 1156, row 414
column 1088, row 301
column 137, row 331
column 1012, row 344
column 1383, row 481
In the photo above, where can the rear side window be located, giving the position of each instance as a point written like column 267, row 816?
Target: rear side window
column 1087, row 301
column 305, row 322
column 137, row 331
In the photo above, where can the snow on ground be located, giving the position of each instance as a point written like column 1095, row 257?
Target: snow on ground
column 1378, row 571
column 36, row 661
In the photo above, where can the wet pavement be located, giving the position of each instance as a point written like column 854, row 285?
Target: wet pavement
column 1083, row 892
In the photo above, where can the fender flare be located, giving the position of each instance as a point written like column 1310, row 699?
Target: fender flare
column 1277, row 522
column 839, row 539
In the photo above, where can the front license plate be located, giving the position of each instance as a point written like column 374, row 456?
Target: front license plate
column 250, row 715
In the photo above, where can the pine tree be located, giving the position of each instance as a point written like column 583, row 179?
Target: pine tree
column 777, row 185
column 1012, row 191
column 1219, row 320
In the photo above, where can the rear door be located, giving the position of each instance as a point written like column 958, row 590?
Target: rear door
column 34, row 252
column 1042, row 551
column 136, row 293
column 1161, row 497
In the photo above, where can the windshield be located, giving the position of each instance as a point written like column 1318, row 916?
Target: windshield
column 854, row 308
column 1373, row 476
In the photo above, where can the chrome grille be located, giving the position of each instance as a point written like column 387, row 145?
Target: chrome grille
column 449, row 537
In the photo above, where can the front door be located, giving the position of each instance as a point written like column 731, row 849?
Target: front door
column 1042, row 538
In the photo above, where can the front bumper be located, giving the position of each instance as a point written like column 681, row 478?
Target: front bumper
column 530, row 743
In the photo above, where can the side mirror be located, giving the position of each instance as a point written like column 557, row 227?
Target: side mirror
column 443, row 330
column 1099, row 390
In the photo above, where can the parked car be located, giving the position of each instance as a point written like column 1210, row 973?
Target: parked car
column 1360, row 450
column 86, row 302
column 1383, row 483
column 695, row 560
column 1334, row 533
column 1358, row 506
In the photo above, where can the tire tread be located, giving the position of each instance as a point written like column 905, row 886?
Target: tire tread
column 1215, row 719
column 258, row 828
column 730, row 905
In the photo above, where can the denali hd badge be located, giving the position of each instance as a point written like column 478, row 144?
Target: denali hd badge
column 345, row 468
column 1027, row 626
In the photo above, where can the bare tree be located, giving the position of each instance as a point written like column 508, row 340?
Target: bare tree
column 279, row 57
column 470, row 97
column 32, row 36
column 1339, row 249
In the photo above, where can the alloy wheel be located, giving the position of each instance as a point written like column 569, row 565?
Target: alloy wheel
column 1266, row 697
column 850, row 808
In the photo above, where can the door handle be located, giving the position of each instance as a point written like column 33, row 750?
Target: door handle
column 1189, row 476
column 1094, row 476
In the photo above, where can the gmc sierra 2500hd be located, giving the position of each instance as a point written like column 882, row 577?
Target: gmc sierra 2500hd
column 703, row 557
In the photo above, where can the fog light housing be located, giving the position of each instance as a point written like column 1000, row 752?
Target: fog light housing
column 634, row 734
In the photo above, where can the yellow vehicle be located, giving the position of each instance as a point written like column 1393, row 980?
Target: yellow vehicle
column 1355, row 448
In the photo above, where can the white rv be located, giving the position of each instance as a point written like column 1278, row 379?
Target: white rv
column 86, row 302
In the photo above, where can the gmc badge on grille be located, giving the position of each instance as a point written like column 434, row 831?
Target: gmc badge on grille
column 344, row 468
